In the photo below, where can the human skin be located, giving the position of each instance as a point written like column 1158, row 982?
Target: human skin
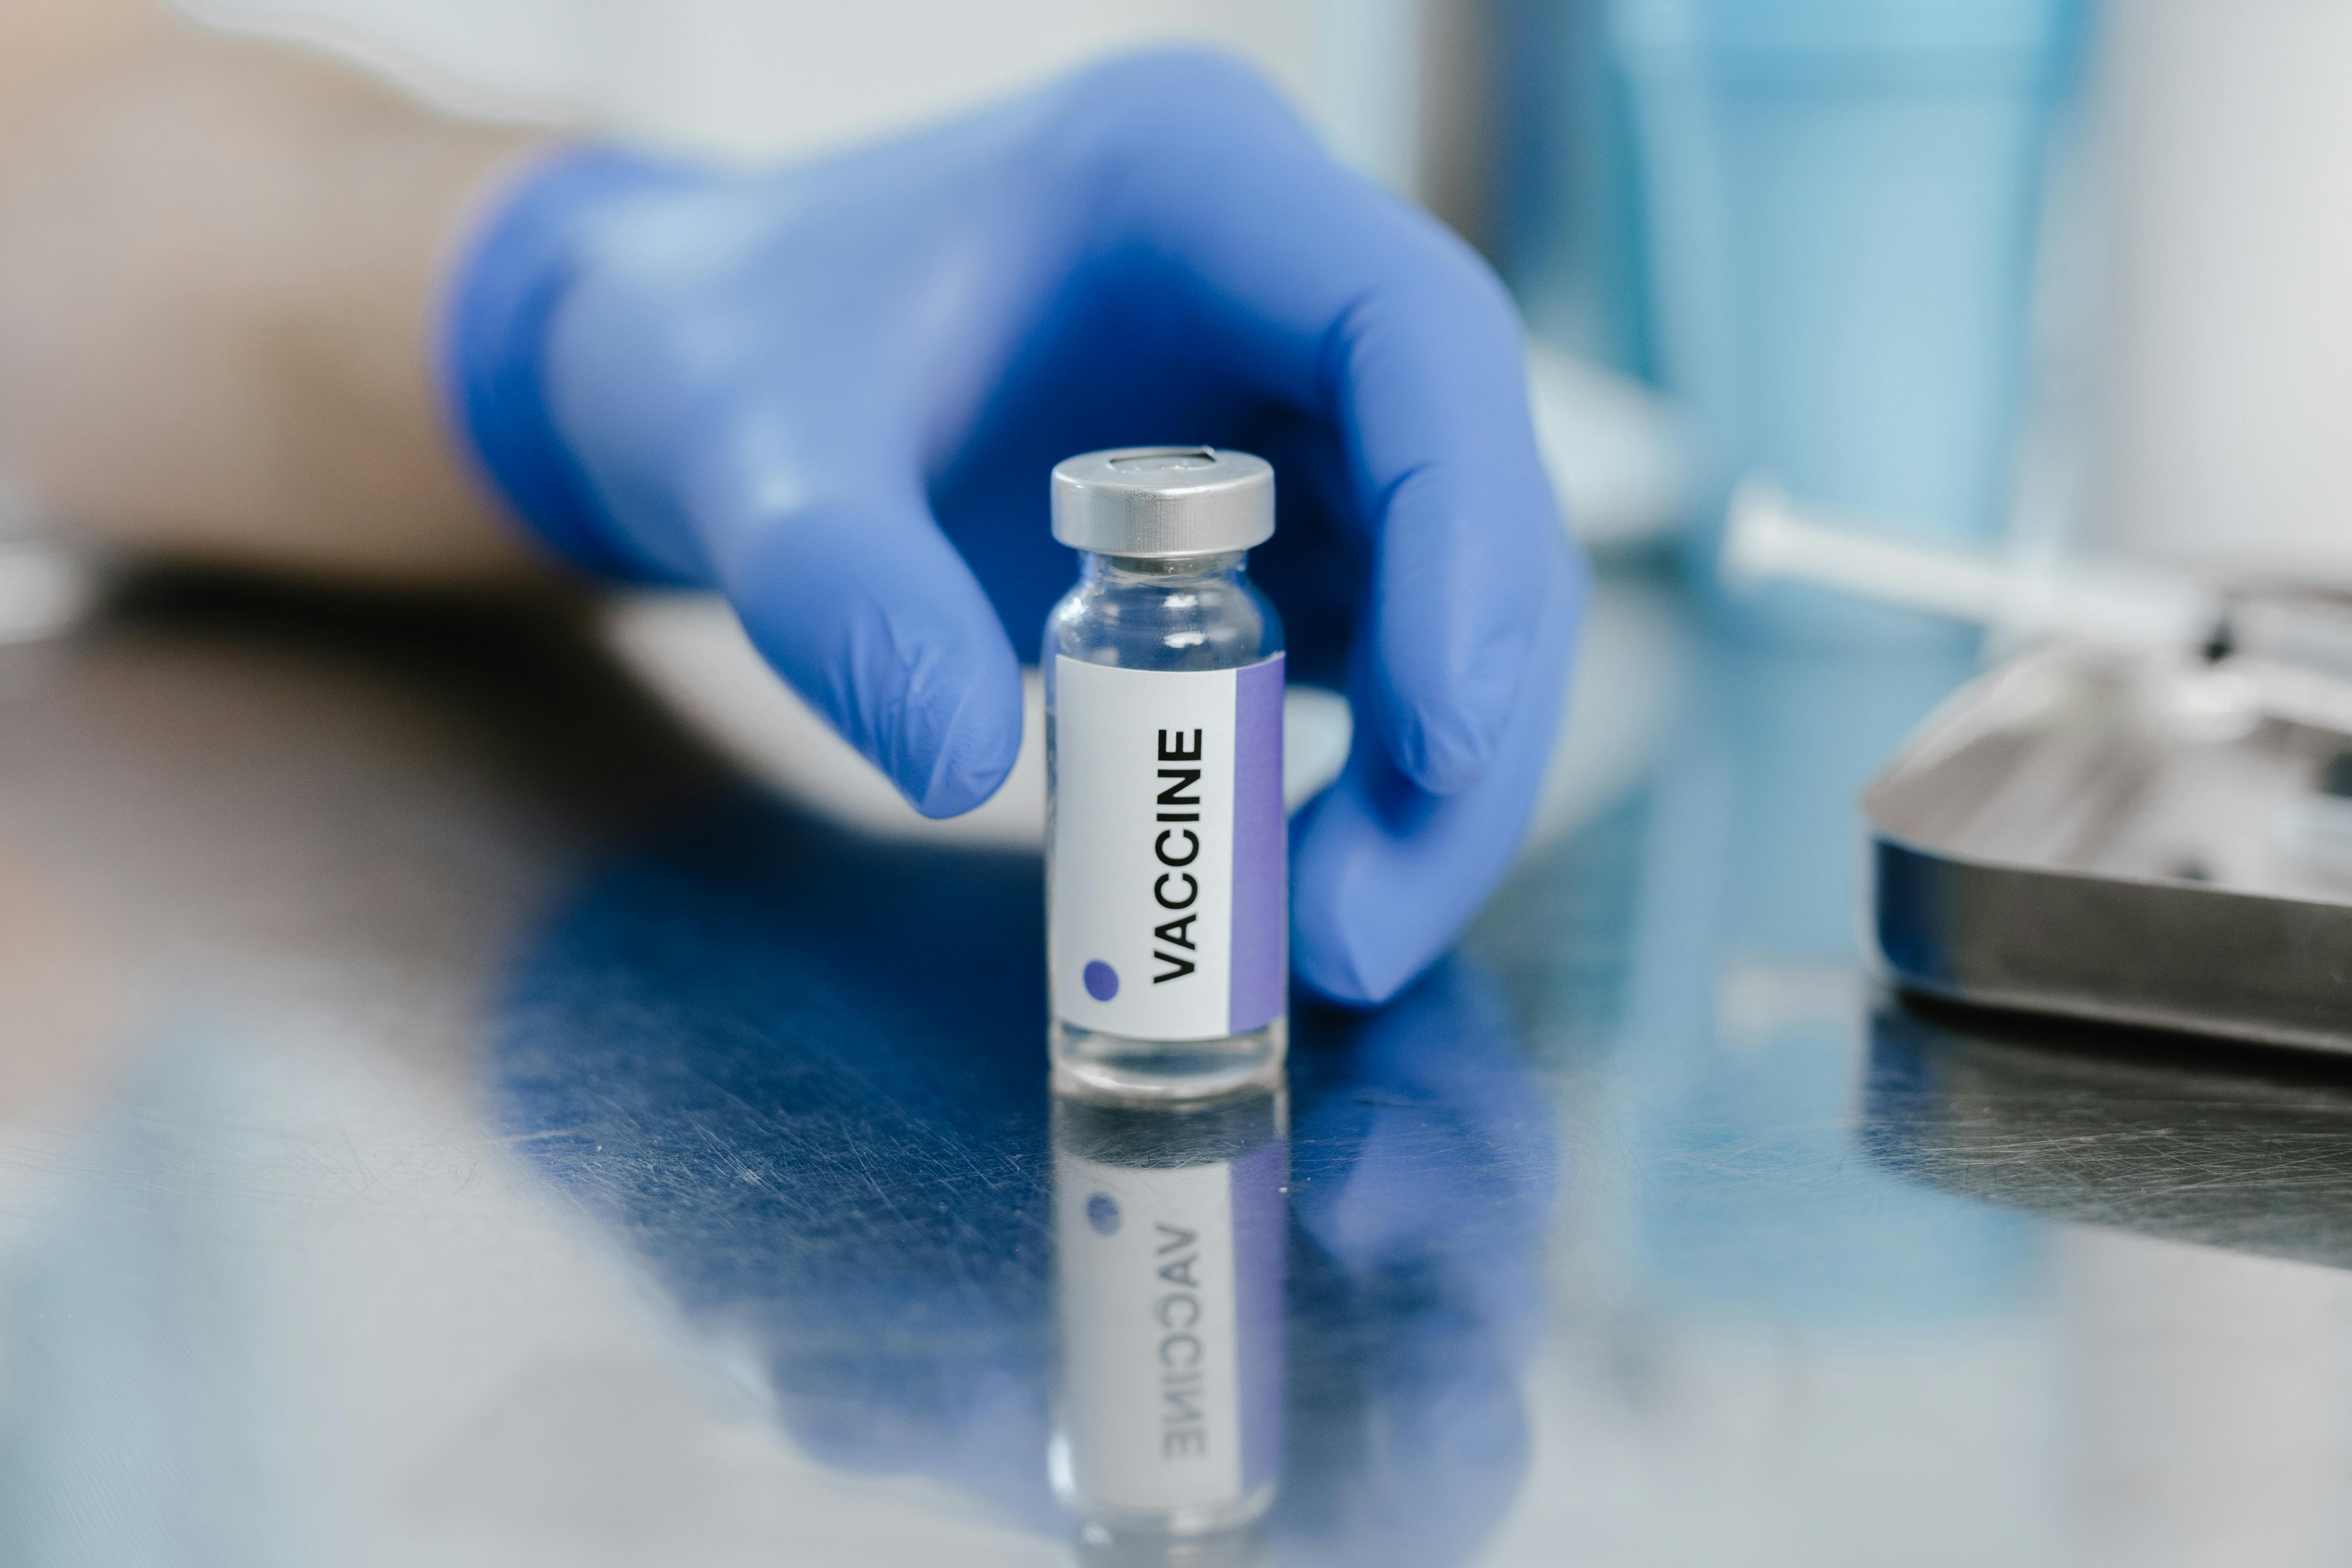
column 218, row 261
column 256, row 311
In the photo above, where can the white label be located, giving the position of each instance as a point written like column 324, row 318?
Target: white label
column 1156, row 774
column 1152, row 1396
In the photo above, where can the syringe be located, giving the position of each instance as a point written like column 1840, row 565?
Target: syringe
column 2290, row 652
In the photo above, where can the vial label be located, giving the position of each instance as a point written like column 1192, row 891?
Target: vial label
column 1169, row 896
column 1171, row 1292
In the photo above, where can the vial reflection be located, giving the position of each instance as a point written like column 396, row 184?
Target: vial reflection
column 1169, row 1279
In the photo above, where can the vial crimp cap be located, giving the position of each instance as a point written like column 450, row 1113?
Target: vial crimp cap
column 1161, row 501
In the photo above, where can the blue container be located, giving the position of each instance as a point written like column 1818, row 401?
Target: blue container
column 1841, row 198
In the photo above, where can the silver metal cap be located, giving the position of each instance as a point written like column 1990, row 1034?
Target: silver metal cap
column 1160, row 502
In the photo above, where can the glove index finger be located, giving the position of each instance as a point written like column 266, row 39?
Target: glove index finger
column 860, row 602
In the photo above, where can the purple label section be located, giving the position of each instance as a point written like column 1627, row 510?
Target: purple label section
column 1258, row 1264
column 1261, row 922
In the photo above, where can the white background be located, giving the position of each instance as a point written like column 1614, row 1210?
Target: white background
column 765, row 77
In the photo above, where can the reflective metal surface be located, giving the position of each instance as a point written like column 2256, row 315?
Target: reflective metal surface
column 451, row 1118
column 2129, row 840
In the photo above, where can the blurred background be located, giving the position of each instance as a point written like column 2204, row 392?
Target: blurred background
column 314, row 1249
column 1988, row 268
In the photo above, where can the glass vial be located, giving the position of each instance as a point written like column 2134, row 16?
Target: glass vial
column 1167, row 857
column 1169, row 1267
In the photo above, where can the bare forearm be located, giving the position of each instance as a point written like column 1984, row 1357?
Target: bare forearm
column 217, row 266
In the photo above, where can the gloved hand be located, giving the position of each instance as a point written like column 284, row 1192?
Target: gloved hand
column 710, row 1048
column 834, row 391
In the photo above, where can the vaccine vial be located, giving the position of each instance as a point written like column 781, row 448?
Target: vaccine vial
column 1168, row 1268
column 1167, row 855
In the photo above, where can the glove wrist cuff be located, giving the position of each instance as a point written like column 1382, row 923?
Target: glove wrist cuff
column 513, row 274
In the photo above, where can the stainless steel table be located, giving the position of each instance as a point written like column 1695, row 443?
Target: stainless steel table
column 451, row 1118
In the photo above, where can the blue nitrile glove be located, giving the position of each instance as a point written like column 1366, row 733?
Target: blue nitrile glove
column 709, row 1046
column 834, row 391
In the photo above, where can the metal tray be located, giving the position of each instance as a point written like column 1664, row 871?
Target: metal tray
column 2136, row 840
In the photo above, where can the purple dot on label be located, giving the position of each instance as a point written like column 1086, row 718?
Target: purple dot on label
column 1102, row 1213
column 1102, row 981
